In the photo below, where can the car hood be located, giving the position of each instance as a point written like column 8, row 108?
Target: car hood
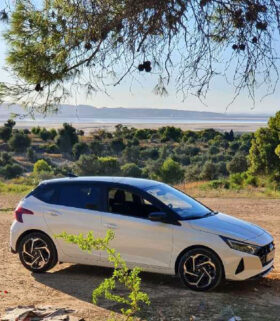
column 227, row 225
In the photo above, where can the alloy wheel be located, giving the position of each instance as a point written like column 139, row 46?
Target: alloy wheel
column 35, row 253
column 199, row 270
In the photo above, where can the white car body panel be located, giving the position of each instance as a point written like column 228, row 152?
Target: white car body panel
column 141, row 241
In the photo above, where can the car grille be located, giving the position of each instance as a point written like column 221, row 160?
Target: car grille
column 262, row 253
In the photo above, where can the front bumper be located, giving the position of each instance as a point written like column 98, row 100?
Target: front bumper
column 243, row 266
column 263, row 274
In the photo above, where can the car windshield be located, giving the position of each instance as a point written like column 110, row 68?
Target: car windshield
column 185, row 206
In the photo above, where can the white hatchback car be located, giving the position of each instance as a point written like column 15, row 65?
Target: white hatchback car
column 157, row 228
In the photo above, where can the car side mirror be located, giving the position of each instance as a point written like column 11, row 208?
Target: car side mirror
column 162, row 217
column 158, row 217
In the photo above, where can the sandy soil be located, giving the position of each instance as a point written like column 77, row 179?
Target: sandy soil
column 89, row 127
column 71, row 285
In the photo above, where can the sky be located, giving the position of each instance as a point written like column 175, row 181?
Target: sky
column 141, row 95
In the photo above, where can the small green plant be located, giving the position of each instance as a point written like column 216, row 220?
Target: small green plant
column 130, row 279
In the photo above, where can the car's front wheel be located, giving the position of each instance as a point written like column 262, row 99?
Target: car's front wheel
column 37, row 252
column 200, row 269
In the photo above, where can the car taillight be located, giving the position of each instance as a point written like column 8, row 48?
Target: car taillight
column 20, row 211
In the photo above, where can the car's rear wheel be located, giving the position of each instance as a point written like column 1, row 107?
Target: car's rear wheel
column 200, row 269
column 37, row 252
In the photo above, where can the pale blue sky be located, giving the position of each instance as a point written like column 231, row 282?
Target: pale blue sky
column 141, row 95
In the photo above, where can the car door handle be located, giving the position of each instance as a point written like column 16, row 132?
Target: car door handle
column 54, row 213
column 111, row 226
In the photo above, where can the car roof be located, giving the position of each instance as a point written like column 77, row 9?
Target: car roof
column 131, row 181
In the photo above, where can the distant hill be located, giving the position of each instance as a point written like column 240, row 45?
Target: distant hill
column 90, row 113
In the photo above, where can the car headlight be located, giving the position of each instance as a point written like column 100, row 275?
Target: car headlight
column 241, row 246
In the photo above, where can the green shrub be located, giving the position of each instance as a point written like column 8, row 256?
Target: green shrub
column 208, row 171
column 19, row 142
column 91, row 165
column 30, row 154
column 41, row 166
column 11, row 171
column 117, row 145
column 238, row 164
column 236, row 180
column 52, row 149
column 52, row 133
column 79, row 149
column 66, row 138
column 44, row 134
column 10, row 123
column 5, row 133
column 171, row 172
column 131, row 170
column 109, row 166
column 127, row 278
column 36, row 130
column 5, row 158
column 249, row 179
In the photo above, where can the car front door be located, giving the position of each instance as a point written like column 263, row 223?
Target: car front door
column 140, row 241
column 76, row 210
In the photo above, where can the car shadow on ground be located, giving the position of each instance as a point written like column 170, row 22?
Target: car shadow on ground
column 79, row 281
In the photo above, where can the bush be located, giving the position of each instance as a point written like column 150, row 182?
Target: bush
column 250, row 180
column 44, row 134
column 238, row 164
column 142, row 133
column 79, row 149
column 5, row 133
column 131, row 170
column 109, row 166
column 170, row 133
column 36, row 130
column 209, row 171
column 128, row 278
column 117, row 145
column 96, row 147
column 30, row 154
column 11, row 171
column 52, row 149
column 88, row 165
column 10, row 123
column 213, row 150
column 19, row 142
column 236, row 179
column 192, row 173
column 5, row 159
column 171, row 172
column 220, row 183
column 41, row 166
column 131, row 154
column 67, row 137
column 52, row 133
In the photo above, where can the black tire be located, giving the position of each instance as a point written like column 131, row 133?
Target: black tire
column 43, row 252
column 201, row 269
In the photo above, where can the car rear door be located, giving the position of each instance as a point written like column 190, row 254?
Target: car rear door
column 140, row 241
column 76, row 209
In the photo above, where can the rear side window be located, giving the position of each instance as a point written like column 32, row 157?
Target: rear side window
column 84, row 196
column 47, row 194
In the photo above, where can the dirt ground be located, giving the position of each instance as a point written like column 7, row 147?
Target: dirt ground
column 71, row 285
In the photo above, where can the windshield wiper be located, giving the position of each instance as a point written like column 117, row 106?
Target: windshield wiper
column 210, row 213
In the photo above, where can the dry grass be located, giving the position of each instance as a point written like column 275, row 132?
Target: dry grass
column 199, row 189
